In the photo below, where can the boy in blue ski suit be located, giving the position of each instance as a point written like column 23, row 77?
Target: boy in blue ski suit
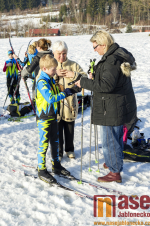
column 11, row 70
column 47, row 97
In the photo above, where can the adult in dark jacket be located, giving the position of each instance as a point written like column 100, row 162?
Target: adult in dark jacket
column 42, row 48
column 114, row 102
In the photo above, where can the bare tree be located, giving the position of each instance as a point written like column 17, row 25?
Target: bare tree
column 64, row 29
column 114, row 10
column 77, row 13
column 17, row 27
column 108, row 21
column 41, row 10
column 10, row 28
column 25, row 29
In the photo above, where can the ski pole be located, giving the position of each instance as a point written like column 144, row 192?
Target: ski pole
column 95, row 136
column 80, row 182
column 97, row 148
column 91, row 70
column 23, row 79
column 90, row 134
column 28, row 45
column 20, row 50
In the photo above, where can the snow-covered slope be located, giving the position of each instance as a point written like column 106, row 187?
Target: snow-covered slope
column 31, row 20
column 25, row 201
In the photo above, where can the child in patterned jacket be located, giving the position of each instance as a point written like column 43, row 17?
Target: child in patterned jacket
column 47, row 97
column 11, row 70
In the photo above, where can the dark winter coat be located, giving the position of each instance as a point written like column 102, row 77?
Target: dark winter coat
column 114, row 102
column 34, row 66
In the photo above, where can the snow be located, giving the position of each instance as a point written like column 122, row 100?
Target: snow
column 26, row 201
column 31, row 20
column 30, row 15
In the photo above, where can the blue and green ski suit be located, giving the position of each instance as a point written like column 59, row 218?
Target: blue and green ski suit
column 47, row 97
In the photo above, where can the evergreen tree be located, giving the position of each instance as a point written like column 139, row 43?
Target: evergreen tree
column 24, row 4
column 16, row 4
column 62, row 12
column 83, row 9
column 29, row 4
column 35, row 3
column 2, row 5
column 92, row 8
column 20, row 4
column 129, row 28
column 7, row 4
column 126, row 8
column 101, row 7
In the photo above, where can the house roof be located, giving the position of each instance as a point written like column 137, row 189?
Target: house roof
column 38, row 31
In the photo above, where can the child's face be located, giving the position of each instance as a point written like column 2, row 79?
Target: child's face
column 51, row 71
column 10, row 56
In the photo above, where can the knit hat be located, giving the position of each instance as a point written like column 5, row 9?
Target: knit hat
column 10, row 52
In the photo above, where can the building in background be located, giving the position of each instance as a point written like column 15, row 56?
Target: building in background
column 40, row 32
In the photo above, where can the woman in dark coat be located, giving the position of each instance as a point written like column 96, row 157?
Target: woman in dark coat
column 114, row 101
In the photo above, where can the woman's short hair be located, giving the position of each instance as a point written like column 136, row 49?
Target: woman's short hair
column 103, row 38
column 44, row 43
column 48, row 61
column 32, row 48
column 59, row 46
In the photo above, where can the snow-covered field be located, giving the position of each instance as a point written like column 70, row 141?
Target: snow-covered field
column 29, row 19
column 25, row 201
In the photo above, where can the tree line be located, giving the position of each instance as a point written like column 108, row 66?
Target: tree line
column 90, row 11
column 106, row 11
column 7, row 5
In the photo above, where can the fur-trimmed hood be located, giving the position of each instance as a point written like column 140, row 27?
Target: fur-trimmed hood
column 126, row 57
column 127, row 68
column 129, row 63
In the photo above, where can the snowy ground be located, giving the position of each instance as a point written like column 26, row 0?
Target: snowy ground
column 26, row 201
column 33, row 19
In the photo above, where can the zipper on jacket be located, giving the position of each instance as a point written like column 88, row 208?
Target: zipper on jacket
column 104, row 106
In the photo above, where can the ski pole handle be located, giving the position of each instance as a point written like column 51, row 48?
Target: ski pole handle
column 82, row 92
column 91, row 67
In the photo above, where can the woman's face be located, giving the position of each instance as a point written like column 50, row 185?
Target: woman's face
column 99, row 48
column 60, row 56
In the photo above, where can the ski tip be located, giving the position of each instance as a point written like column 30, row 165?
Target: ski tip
column 96, row 161
column 90, row 170
column 98, row 171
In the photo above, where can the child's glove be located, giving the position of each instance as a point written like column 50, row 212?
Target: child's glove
column 9, row 65
column 69, row 92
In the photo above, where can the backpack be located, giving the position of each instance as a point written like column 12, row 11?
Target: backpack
column 17, row 110
column 136, row 154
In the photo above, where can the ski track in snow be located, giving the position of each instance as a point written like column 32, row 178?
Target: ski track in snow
column 26, row 201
